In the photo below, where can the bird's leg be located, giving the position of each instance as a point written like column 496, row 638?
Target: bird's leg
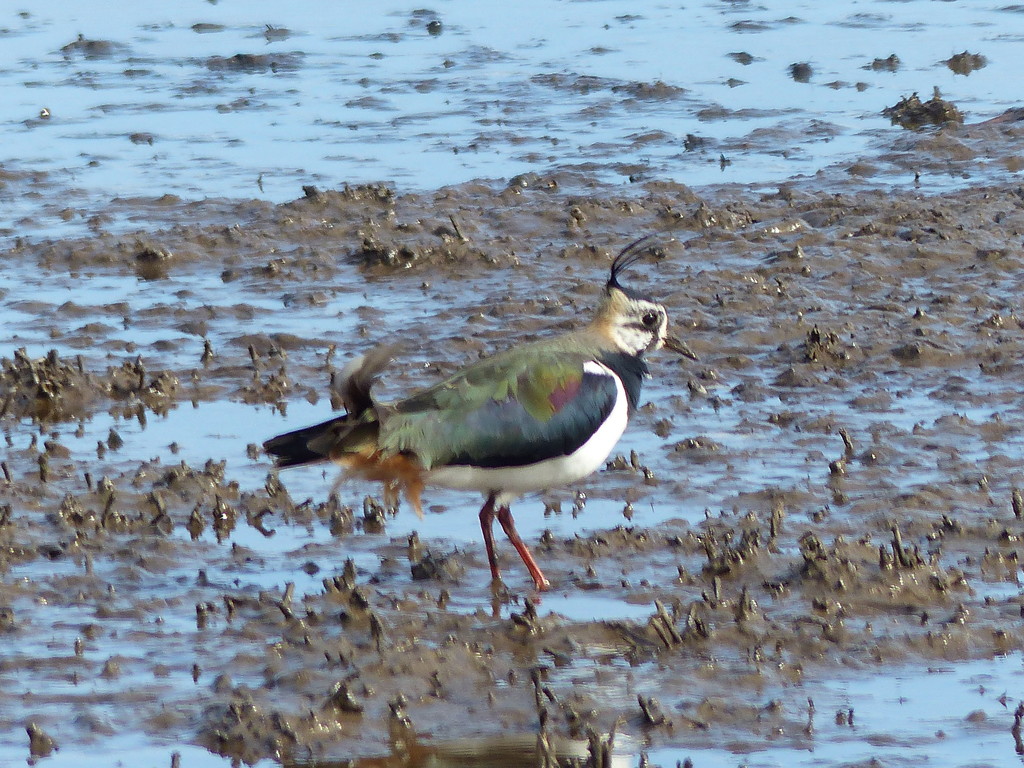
column 486, row 525
column 390, row 494
column 509, row 525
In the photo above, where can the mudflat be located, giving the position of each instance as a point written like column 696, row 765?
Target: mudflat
column 830, row 493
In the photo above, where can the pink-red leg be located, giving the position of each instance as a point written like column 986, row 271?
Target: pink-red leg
column 487, row 525
column 504, row 515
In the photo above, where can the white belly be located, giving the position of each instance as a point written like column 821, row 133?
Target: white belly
column 510, row 482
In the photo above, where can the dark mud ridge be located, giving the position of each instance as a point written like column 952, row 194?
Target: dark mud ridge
column 835, row 481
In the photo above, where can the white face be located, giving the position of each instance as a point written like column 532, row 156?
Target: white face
column 639, row 326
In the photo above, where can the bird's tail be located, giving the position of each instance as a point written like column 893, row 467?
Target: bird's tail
column 352, row 443
column 328, row 441
column 353, row 435
column 351, row 440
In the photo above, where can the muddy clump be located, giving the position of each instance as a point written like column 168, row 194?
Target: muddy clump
column 801, row 72
column 964, row 63
column 54, row 389
column 255, row 62
column 91, row 49
column 890, row 63
column 912, row 113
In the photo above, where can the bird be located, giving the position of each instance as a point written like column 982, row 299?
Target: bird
column 536, row 416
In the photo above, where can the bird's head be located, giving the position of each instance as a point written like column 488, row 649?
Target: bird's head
column 633, row 322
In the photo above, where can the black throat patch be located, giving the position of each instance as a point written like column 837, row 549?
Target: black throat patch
column 632, row 370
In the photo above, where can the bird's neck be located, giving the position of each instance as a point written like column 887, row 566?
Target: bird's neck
column 631, row 370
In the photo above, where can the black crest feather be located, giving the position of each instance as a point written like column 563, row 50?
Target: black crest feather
column 627, row 257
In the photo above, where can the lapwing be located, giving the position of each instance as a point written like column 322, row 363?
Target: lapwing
column 537, row 416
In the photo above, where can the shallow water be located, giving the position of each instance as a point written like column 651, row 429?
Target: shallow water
column 108, row 621
column 945, row 715
column 352, row 98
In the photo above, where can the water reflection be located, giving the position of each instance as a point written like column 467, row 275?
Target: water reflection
column 508, row 751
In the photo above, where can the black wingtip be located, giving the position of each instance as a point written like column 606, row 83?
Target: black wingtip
column 627, row 257
column 289, row 453
column 292, row 449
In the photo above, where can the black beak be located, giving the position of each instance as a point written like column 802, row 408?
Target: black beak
column 671, row 342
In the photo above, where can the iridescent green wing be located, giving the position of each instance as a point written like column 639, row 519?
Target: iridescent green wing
column 510, row 410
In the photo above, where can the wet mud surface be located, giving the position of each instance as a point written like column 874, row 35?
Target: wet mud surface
column 258, row 99
column 830, row 493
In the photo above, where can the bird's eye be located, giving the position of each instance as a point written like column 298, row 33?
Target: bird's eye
column 650, row 319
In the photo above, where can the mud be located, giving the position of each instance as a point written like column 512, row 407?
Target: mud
column 833, row 489
column 806, row 548
column 912, row 113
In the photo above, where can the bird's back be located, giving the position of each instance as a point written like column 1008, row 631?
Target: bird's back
column 515, row 408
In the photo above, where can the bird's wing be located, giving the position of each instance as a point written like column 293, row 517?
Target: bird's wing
column 506, row 411
column 354, row 382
